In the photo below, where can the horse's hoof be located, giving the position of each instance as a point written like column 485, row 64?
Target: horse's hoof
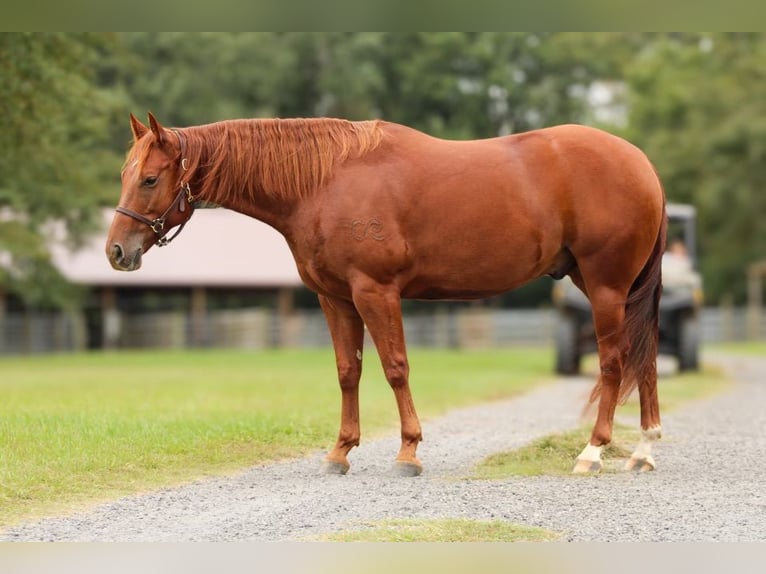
column 406, row 468
column 640, row 463
column 586, row 466
column 334, row 467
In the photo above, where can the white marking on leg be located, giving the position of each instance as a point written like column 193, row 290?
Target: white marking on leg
column 652, row 433
column 642, row 456
column 359, row 355
column 648, row 436
column 591, row 453
column 643, row 450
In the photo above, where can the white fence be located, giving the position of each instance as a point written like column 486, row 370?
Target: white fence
column 42, row 332
column 261, row 328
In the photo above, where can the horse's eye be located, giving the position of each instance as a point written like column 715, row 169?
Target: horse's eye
column 150, row 181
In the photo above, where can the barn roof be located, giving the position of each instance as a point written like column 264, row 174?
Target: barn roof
column 218, row 248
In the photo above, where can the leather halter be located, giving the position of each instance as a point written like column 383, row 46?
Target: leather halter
column 183, row 200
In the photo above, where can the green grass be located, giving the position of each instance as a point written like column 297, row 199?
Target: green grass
column 445, row 530
column 75, row 429
column 747, row 348
column 555, row 454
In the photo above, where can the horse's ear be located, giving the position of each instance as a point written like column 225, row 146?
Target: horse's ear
column 139, row 129
column 158, row 131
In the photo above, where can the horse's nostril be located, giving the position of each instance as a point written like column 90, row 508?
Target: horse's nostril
column 117, row 252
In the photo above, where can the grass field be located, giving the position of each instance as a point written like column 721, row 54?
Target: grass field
column 444, row 530
column 747, row 348
column 75, row 429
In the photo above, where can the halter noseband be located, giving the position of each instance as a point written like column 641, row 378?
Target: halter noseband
column 182, row 199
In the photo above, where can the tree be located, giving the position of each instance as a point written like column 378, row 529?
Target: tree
column 450, row 84
column 53, row 159
column 698, row 108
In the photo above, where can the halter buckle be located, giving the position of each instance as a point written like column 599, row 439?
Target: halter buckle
column 158, row 226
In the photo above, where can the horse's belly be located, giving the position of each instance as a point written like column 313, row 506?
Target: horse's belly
column 487, row 257
column 474, row 279
column 435, row 293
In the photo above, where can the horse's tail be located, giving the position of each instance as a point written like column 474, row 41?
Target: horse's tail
column 641, row 327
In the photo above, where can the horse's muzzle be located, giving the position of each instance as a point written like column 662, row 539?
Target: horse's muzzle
column 121, row 261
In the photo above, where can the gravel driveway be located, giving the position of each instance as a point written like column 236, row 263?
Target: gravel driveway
column 710, row 483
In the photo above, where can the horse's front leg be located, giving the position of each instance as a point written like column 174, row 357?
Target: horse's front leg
column 347, row 332
column 380, row 307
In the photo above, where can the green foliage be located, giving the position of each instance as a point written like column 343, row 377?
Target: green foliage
column 698, row 108
column 453, row 84
column 52, row 158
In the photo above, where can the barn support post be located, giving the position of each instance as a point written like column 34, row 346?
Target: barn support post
column 729, row 331
column 111, row 324
column 198, row 317
column 285, row 308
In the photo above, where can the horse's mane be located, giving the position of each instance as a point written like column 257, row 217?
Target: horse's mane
column 281, row 158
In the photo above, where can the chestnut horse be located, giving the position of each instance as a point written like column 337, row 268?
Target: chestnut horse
column 375, row 212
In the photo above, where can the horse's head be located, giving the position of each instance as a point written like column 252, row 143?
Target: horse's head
column 155, row 196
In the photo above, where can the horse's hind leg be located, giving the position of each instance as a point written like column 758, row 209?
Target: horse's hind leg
column 651, row 430
column 347, row 331
column 608, row 317
column 380, row 307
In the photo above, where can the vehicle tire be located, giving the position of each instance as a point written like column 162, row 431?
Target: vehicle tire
column 567, row 345
column 688, row 343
